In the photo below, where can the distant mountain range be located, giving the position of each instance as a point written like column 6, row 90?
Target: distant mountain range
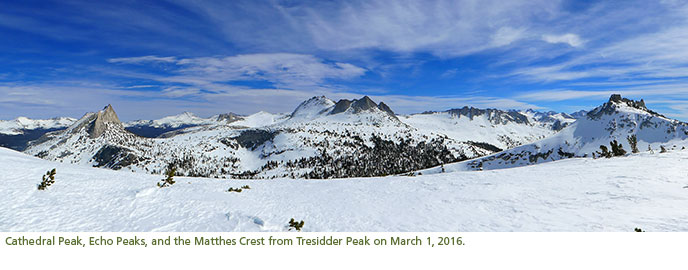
column 618, row 121
column 322, row 138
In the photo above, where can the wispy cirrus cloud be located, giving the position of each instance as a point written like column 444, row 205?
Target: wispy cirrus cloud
column 572, row 40
column 284, row 70
column 142, row 59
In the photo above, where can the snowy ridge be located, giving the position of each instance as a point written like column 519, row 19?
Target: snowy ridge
column 615, row 120
column 183, row 119
column 20, row 124
column 502, row 129
column 361, row 139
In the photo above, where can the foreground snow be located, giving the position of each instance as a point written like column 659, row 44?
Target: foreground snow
column 647, row 191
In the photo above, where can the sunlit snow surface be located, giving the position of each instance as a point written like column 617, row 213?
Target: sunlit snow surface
column 644, row 190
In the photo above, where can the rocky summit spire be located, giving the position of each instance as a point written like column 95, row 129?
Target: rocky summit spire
column 102, row 119
column 359, row 105
column 615, row 100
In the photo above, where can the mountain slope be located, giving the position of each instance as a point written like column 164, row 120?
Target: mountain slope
column 502, row 129
column 615, row 120
column 320, row 139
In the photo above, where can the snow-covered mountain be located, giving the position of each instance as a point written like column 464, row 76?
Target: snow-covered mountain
column 21, row 124
column 320, row 139
column 17, row 133
column 619, row 119
column 155, row 128
column 502, row 129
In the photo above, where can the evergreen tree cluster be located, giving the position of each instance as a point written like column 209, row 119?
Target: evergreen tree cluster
column 616, row 150
column 48, row 179
column 633, row 142
column 295, row 225
column 169, row 179
column 384, row 158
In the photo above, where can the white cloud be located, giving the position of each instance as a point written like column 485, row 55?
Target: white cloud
column 572, row 40
column 142, row 59
column 440, row 27
column 506, row 35
column 284, row 70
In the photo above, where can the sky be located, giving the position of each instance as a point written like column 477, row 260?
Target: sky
column 151, row 59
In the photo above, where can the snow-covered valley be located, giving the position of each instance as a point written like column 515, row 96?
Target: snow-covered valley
column 649, row 191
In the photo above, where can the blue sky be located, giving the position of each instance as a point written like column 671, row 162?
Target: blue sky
column 156, row 58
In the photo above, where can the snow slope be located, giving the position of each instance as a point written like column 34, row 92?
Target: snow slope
column 615, row 120
column 503, row 129
column 648, row 191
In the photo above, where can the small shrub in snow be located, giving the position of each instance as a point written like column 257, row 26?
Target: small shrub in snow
column 638, row 230
column 633, row 142
column 234, row 190
column 617, row 148
column 604, row 152
column 48, row 179
column 662, row 149
column 295, row 225
column 169, row 180
column 246, row 187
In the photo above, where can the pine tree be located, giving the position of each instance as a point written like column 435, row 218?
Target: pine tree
column 48, row 179
column 604, row 152
column 617, row 148
column 633, row 142
column 169, row 180
column 296, row 225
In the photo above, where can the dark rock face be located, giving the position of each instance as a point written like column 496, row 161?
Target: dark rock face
column 341, row 106
column 101, row 121
column 114, row 157
column 253, row 138
column 363, row 104
column 359, row 105
column 495, row 116
column 229, row 117
column 614, row 100
column 382, row 106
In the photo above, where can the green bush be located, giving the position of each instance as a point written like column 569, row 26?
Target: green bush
column 604, row 152
column 48, row 179
column 296, row 225
column 169, row 179
column 617, row 148
column 633, row 142
column 234, row 189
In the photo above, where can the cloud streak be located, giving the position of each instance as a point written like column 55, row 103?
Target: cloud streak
column 284, row 70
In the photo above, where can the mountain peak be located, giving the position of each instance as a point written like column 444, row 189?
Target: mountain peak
column 312, row 107
column 616, row 98
column 615, row 102
column 101, row 121
column 359, row 105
